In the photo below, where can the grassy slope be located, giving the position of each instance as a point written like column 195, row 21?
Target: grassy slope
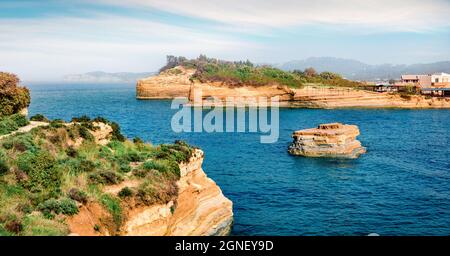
column 43, row 179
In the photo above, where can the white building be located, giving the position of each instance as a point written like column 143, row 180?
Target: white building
column 440, row 79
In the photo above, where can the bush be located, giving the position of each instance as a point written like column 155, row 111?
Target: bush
column 21, row 143
column 105, row 177
column 116, row 134
column 78, row 195
column 53, row 206
column 154, row 165
column 57, row 123
column 42, row 171
column 14, row 226
column 138, row 140
column 20, row 120
column 112, row 204
column 39, row 118
column 4, row 167
column 82, row 119
column 86, row 166
column 11, row 123
column 71, row 152
column 125, row 192
column 85, row 133
column 160, row 191
column 36, row 225
column 12, row 97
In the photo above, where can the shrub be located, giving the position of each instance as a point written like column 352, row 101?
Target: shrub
column 160, row 191
column 12, row 97
column 14, row 226
column 124, row 168
column 112, row 204
column 11, row 123
column 86, row 166
column 53, row 206
column 42, row 171
column 57, row 123
column 138, row 140
column 85, row 133
column 125, row 192
column 39, row 118
column 78, row 195
column 154, row 165
column 20, row 120
column 36, row 225
column 21, row 143
column 71, row 152
column 116, row 134
column 4, row 167
column 105, row 177
column 81, row 119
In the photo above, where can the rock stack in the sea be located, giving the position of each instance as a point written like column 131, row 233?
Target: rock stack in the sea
column 327, row 140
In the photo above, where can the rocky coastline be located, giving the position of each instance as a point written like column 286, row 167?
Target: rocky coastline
column 176, row 82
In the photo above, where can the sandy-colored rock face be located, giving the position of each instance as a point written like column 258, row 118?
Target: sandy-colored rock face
column 167, row 85
column 102, row 133
column 200, row 210
column 175, row 83
column 327, row 140
column 341, row 97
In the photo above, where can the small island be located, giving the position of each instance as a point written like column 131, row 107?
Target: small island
column 327, row 140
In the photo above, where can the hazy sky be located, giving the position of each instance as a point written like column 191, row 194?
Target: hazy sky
column 44, row 40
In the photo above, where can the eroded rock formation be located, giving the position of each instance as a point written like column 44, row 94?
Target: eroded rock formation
column 200, row 209
column 176, row 83
column 327, row 140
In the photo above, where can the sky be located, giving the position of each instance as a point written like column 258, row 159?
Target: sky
column 47, row 39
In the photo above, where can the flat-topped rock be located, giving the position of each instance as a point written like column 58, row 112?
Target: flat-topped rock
column 327, row 140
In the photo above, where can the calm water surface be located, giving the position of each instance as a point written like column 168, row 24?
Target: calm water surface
column 400, row 187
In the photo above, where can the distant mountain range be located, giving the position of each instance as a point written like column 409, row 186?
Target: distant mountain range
column 104, row 77
column 356, row 70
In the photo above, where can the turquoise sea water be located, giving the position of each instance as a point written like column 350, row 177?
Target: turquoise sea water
column 400, row 187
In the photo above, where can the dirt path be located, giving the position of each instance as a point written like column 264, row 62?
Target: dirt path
column 27, row 128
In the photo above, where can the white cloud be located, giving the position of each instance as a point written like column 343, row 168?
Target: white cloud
column 40, row 49
column 398, row 15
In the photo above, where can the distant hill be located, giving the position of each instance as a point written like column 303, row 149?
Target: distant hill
column 356, row 70
column 104, row 77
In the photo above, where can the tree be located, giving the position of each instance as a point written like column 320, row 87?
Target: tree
column 329, row 76
column 310, row 72
column 12, row 97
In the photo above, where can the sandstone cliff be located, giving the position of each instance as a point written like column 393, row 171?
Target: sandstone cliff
column 176, row 83
column 199, row 210
column 327, row 140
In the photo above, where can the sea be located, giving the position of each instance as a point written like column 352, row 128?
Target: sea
column 401, row 186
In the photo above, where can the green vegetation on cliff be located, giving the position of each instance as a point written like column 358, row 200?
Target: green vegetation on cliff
column 49, row 172
column 240, row 73
column 11, row 123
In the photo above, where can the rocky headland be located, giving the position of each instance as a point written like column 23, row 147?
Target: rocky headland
column 84, row 177
column 327, row 140
column 199, row 87
column 200, row 209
